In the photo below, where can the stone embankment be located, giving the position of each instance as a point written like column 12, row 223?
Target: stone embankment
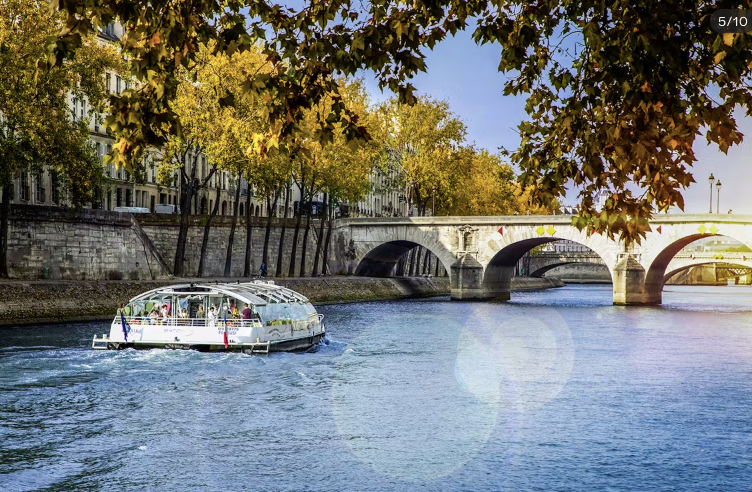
column 34, row 302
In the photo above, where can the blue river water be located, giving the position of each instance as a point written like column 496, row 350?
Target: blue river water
column 556, row 390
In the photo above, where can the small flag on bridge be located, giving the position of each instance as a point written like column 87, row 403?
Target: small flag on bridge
column 659, row 230
column 501, row 230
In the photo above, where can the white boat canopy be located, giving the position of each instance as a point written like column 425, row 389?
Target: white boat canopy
column 257, row 294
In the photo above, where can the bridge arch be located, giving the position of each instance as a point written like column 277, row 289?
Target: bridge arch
column 656, row 274
column 379, row 256
column 497, row 278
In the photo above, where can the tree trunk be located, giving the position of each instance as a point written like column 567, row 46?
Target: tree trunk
column 305, row 236
column 297, row 231
column 280, row 253
column 319, row 243
column 185, row 202
column 187, row 189
column 325, row 266
column 269, row 213
column 413, row 253
column 207, row 229
column 248, row 263
column 231, row 239
column 4, row 219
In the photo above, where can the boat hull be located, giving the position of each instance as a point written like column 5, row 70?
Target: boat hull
column 291, row 345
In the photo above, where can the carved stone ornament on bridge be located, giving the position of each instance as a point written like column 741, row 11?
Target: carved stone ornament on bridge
column 350, row 252
column 466, row 236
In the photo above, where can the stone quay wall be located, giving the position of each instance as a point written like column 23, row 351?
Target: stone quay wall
column 164, row 229
column 68, row 244
column 76, row 244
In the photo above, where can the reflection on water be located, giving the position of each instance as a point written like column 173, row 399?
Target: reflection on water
column 557, row 390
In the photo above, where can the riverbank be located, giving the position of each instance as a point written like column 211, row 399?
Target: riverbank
column 35, row 302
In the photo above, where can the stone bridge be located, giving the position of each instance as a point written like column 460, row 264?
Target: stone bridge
column 543, row 261
column 480, row 253
column 726, row 260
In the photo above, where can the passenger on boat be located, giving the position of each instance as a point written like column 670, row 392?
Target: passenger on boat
column 154, row 316
column 212, row 317
column 183, row 314
column 246, row 311
column 235, row 313
column 201, row 313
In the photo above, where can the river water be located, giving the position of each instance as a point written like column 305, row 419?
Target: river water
column 557, row 390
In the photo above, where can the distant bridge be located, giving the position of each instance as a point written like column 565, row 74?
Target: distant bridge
column 729, row 264
column 480, row 253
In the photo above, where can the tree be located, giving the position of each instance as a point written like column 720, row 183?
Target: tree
column 221, row 132
column 424, row 144
column 617, row 92
column 338, row 167
column 489, row 187
column 38, row 130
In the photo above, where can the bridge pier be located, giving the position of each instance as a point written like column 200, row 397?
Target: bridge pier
column 633, row 286
column 466, row 279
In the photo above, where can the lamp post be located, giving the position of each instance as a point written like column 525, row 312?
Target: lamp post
column 711, row 180
column 718, row 197
column 433, row 201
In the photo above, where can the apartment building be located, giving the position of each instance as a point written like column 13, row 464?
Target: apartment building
column 125, row 190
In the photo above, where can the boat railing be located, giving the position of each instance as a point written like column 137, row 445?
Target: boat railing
column 220, row 323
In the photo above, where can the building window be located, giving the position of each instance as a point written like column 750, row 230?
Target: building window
column 82, row 109
column 128, row 198
column 108, row 83
column 75, row 108
column 119, row 197
column 117, row 84
column 41, row 191
column 55, row 187
column 25, row 189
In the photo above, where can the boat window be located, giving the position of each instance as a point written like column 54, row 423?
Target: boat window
column 145, row 307
column 283, row 311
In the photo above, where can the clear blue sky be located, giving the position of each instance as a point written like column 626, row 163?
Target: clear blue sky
column 465, row 75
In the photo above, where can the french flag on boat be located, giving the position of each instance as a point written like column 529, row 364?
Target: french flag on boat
column 126, row 326
column 226, row 341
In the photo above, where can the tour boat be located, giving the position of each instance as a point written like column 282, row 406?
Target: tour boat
column 209, row 317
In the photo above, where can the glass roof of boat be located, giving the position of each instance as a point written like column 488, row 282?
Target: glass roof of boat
column 257, row 293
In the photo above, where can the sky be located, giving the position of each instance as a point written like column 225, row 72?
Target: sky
column 464, row 74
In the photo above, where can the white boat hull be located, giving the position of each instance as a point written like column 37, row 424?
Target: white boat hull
column 241, row 336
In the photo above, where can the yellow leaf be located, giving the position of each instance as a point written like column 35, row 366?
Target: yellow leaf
column 728, row 38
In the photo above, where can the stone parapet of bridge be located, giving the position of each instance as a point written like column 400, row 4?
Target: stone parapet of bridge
column 480, row 253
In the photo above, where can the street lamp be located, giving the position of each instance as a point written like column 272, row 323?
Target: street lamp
column 718, row 197
column 711, row 180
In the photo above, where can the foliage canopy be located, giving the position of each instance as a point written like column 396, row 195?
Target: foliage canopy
column 617, row 91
